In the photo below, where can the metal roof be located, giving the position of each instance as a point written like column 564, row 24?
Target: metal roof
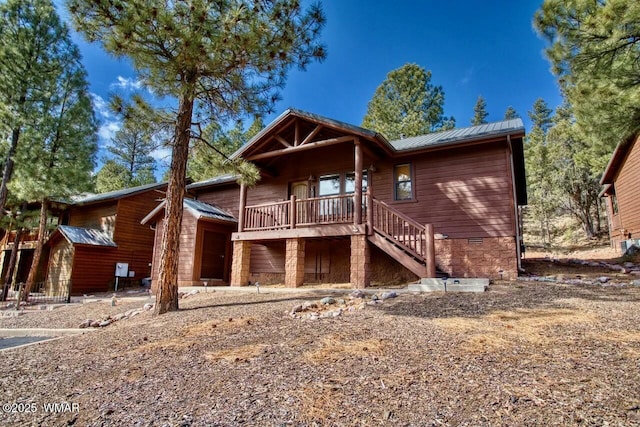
column 199, row 209
column 205, row 210
column 459, row 135
column 114, row 195
column 221, row 179
column 86, row 236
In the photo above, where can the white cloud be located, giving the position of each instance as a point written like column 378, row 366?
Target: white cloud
column 101, row 106
column 127, row 83
column 107, row 131
column 467, row 77
column 161, row 154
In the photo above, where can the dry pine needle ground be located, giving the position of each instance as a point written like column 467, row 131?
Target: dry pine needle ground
column 519, row 354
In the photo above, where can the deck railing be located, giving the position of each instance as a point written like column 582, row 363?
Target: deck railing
column 399, row 228
column 339, row 209
column 268, row 216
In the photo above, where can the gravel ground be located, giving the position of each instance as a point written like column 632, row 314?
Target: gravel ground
column 520, row 354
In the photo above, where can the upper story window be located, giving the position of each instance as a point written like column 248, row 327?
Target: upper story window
column 403, row 188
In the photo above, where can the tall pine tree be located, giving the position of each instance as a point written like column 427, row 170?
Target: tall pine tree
column 35, row 46
column 480, row 112
column 218, row 60
column 595, row 52
column 407, row 104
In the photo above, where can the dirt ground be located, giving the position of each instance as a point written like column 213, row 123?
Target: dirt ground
column 522, row 353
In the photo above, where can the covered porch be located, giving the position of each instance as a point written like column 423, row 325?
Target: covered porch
column 317, row 184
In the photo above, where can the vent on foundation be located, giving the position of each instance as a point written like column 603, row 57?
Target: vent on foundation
column 475, row 240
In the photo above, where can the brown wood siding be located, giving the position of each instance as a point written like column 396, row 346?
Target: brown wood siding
column 93, row 269
column 464, row 192
column 627, row 186
column 267, row 257
column 60, row 265
column 101, row 217
column 135, row 240
column 226, row 198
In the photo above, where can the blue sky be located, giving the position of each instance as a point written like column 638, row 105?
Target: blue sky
column 472, row 48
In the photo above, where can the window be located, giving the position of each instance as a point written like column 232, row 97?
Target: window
column 329, row 185
column 350, row 182
column 402, row 182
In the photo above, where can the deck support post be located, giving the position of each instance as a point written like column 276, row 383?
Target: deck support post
column 240, row 267
column 430, row 251
column 360, row 261
column 294, row 263
column 357, row 203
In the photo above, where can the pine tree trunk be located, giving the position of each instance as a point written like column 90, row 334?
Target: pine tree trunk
column 8, row 168
column 167, row 296
column 42, row 230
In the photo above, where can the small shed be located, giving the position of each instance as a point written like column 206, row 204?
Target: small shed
column 73, row 258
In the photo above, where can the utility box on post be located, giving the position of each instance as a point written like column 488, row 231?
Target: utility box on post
column 122, row 270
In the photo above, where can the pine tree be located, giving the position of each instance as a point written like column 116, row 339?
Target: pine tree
column 595, row 52
column 34, row 48
column 218, row 60
column 542, row 193
column 511, row 113
column 575, row 176
column 480, row 112
column 206, row 162
column 407, row 104
column 56, row 157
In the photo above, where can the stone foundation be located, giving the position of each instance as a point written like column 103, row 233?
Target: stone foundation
column 478, row 257
column 360, row 259
column 294, row 263
column 241, row 264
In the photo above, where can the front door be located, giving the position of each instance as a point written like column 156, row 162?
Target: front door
column 300, row 189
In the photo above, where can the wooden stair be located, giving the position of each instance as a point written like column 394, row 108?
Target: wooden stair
column 395, row 251
column 404, row 239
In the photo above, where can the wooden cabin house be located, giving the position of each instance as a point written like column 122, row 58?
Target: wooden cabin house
column 99, row 231
column 621, row 181
column 339, row 203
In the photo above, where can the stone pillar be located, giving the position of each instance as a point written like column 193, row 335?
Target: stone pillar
column 241, row 263
column 360, row 258
column 294, row 263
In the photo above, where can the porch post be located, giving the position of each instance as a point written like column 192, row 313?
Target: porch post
column 430, row 251
column 369, row 198
column 357, row 203
column 294, row 263
column 243, row 204
column 292, row 211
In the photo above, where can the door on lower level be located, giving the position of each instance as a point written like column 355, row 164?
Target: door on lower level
column 214, row 248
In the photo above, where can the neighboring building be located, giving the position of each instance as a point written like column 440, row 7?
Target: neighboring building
column 339, row 203
column 205, row 236
column 99, row 231
column 621, row 180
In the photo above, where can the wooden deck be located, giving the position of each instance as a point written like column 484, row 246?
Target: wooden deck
column 334, row 216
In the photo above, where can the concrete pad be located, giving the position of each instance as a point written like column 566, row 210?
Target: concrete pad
column 450, row 285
